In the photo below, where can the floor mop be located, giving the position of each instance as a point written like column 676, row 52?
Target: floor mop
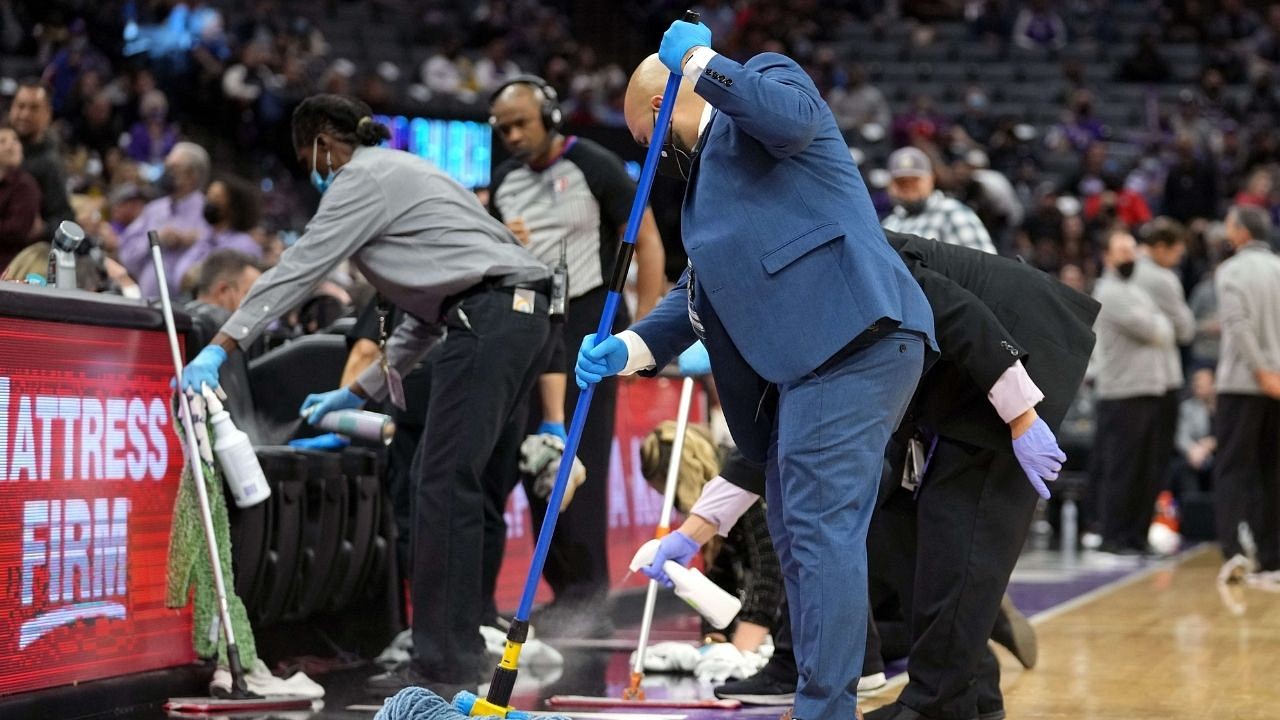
column 633, row 695
column 241, row 700
column 497, row 700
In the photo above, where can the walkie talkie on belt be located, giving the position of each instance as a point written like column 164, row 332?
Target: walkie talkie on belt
column 560, row 287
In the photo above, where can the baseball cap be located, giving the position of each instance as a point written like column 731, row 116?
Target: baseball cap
column 909, row 161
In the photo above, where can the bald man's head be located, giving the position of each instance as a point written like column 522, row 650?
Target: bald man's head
column 644, row 100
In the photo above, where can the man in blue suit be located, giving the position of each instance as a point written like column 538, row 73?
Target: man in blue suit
column 816, row 332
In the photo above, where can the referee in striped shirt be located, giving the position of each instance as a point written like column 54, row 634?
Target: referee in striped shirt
column 921, row 209
column 568, row 197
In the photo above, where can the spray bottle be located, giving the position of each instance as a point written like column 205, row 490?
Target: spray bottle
column 712, row 602
column 235, row 454
column 362, row 424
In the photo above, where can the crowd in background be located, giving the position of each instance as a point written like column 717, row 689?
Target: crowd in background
column 171, row 115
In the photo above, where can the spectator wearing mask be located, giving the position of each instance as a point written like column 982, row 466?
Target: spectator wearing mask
column 1195, row 442
column 232, row 207
column 19, row 198
column 1163, row 246
column 1134, row 337
column 1038, row 27
column 178, row 217
column 153, row 136
column 1191, row 187
column 31, row 114
column 921, row 209
column 1246, row 473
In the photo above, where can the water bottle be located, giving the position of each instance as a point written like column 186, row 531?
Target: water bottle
column 362, row 424
column 235, row 454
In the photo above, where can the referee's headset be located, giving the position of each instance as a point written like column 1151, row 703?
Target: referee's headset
column 549, row 108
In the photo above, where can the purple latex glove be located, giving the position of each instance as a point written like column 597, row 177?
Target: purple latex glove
column 676, row 546
column 1039, row 455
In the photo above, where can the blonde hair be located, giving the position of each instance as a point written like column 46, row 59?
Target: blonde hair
column 33, row 258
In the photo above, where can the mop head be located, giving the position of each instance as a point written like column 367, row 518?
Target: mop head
column 188, row 563
column 417, row 703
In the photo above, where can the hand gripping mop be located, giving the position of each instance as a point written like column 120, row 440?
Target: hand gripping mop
column 721, row 607
column 241, row 699
column 497, row 701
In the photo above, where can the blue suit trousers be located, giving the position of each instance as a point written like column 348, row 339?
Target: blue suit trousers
column 822, row 476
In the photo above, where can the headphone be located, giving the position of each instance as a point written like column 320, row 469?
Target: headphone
column 550, row 108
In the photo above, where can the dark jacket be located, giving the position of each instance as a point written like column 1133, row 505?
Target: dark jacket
column 990, row 311
column 41, row 158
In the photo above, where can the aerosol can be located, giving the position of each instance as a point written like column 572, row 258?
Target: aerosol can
column 235, row 454
column 712, row 602
column 362, row 424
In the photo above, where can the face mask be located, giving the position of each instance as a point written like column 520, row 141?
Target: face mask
column 1125, row 269
column 165, row 183
column 320, row 183
column 672, row 161
column 913, row 207
column 213, row 214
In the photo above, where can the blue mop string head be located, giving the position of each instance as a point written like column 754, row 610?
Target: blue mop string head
column 415, row 703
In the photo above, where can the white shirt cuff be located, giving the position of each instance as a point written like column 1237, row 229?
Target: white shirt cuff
column 131, row 291
column 639, row 357
column 722, row 503
column 697, row 63
column 1014, row 393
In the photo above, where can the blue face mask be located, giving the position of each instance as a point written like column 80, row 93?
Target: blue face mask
column 320, row 183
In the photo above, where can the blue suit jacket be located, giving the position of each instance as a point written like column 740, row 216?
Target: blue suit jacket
column 789, row 260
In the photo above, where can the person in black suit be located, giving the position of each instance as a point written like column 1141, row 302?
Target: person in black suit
column 1014, row 345
column 1009, row 334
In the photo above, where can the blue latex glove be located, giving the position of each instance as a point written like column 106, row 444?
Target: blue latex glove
column 1039, row 455
column 676, row 546
column 695, row 361
column 328, row 441
column 678, row 40
column 550, row 428
column 597, row 362
column 203, row 370
column 321, row 404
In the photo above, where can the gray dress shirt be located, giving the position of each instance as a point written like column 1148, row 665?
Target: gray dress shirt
column 1133, row 339
column 415, row 234
column 1166, row 290
column 1248, row 286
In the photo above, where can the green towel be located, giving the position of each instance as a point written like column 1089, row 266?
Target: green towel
column 189, row 554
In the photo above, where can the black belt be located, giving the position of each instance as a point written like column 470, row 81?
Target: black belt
column 504, row 283
column 875, row 332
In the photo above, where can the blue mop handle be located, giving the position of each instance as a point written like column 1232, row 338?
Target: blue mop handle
column 621, row 264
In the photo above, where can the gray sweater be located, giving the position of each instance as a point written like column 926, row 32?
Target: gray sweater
column 1164, row 287
column 1248, row 286
column 415, row 234
column 1133, row 341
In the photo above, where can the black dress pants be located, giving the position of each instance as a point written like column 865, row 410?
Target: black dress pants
column 1246, row 474
column 971, row 518
column 1129, row 467
column 464, row 468
column 577, row 567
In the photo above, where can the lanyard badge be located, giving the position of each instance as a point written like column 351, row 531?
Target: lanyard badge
column 395, row 385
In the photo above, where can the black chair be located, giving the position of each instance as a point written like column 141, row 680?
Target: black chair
column 364, row 497
column 323, row 530
column 286, row 471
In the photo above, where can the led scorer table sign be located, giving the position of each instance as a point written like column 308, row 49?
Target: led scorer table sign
column 89, row 466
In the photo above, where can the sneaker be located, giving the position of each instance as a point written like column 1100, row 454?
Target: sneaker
column 871, row 684
column 391, row 682
column 1014, row 632
column 759, row 689
column 398, row 652
column 260, row 681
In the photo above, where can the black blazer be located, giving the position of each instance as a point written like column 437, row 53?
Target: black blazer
column 990, row 311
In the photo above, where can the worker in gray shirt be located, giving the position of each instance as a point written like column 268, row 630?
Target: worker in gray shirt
column 429, row 247
column 1163, row 245
column 1246, row 474
column 1132, row 379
